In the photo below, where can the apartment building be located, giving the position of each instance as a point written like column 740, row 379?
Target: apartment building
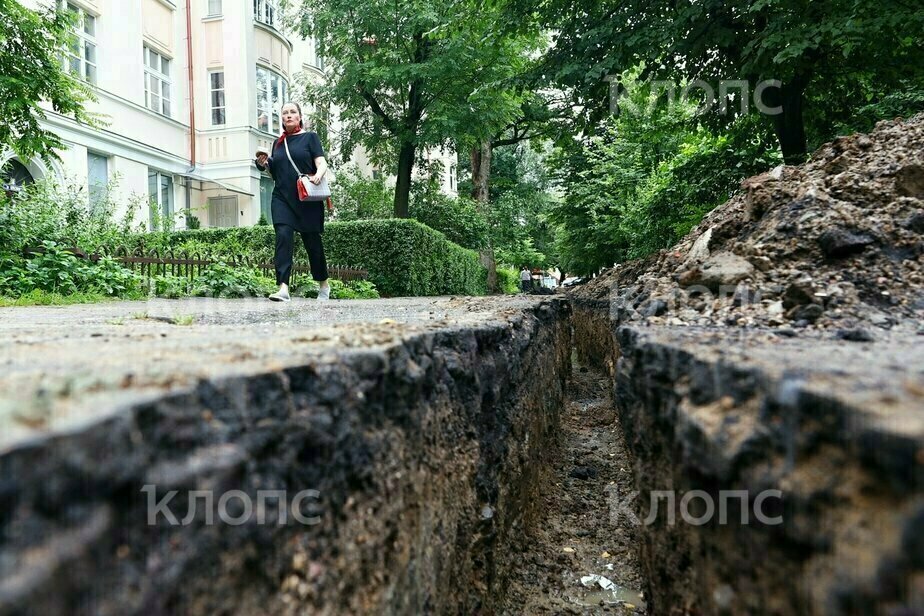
column 188, row 89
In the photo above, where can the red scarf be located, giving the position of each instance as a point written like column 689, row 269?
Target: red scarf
column 285, row 134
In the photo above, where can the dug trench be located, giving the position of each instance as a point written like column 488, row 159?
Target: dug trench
column 460, row 466
column 424, row 443
column 477, row 468
column 831, row 433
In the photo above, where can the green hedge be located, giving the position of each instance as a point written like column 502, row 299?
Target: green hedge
column 403, row 257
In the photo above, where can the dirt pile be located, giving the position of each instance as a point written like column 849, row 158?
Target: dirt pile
column 836, row 243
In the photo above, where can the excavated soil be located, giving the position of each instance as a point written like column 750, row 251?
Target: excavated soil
column 834, row 244
column 779, row 346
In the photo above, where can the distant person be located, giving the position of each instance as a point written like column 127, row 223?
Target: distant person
column 556, row 274
column 525, row 280
column 289, row 213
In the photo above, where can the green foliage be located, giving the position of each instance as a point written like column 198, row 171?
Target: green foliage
column 828, row 55
column 31, row 71
column 223, row 280
column 359, row 198
column 646, row 179
column 58, row 271
column 193, row 222
column 458, row 218
column 37, row 297
column 46, row 211
column 518, row 213
column 414, row 74
column 518, row 220
column 508, row 280
column 171, row 287
column 110, row 278
column 403, row 257
column 353, row 289
column 262, row 222
column 902, row 103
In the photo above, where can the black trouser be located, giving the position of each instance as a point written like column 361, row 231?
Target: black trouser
column 285, row 245
column 527, row 285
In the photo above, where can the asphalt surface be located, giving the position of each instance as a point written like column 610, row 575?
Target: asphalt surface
column 64, row 366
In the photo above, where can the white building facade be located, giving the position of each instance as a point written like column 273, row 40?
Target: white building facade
column 188, row 90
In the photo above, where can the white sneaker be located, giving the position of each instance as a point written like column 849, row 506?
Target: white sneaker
column 324, row 293
column 280, row 296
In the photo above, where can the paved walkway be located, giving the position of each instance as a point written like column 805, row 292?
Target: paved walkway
column 61, row 366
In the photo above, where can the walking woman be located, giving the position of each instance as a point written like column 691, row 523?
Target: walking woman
column 289, row 213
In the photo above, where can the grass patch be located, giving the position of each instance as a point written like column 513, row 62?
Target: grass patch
column 184, row 319
column 45, row 298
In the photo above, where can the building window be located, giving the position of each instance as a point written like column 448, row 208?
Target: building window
column 156, row 81
column 14, row 176
column 160, row 193
column 217, row 98
column 97, row 178
column 81, row 54
column 214, row 7
column 264, row 11
column 271, row 95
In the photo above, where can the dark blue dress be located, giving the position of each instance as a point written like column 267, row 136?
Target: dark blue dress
column 303, row 216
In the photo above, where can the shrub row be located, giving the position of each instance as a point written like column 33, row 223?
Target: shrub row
column 403, row 257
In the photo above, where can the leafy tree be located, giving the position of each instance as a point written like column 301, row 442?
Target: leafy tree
column 32, row 44
column 825, row 53
column 645, row 180
column 409, row 74
column 358, row 198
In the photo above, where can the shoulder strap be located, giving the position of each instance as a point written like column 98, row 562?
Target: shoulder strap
column 294, row 166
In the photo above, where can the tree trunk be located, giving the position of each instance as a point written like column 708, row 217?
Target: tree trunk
column 789, row 125
column 481, row 171
column 481, row 175
column 403, row 185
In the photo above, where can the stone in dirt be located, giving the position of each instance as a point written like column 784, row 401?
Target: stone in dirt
column 721, row 269
column 856, row 335
column 838, row 243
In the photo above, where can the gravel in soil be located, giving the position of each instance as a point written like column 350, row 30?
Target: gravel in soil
column 581, row 557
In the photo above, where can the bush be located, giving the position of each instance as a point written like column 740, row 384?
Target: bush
column 359, row 198
column 171, row 287
column 458, row 218
column 403, row 257
column 55, row 270
column 222, row 280
column 508, row 280
column 353, row 289
column 44, row 211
